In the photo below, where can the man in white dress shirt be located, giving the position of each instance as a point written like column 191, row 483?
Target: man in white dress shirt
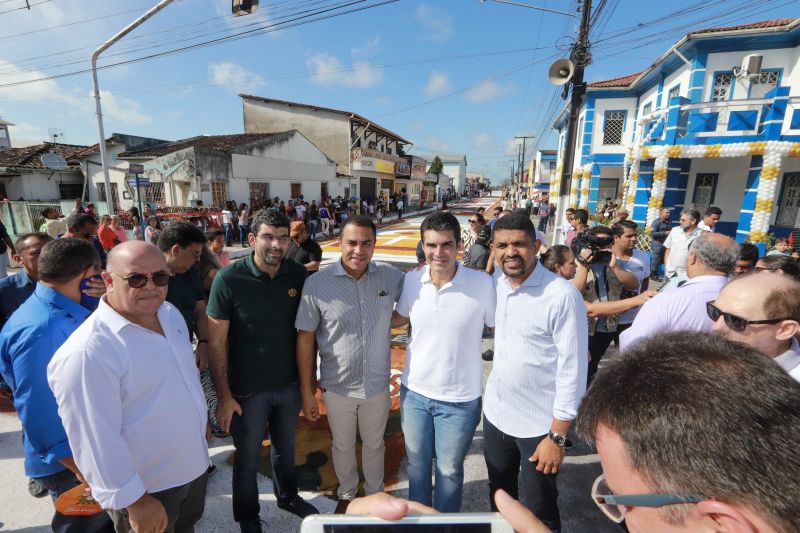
column 129, row 395
column 677, row 244
column 440, row 398
column 762, row 310
column 539, row 372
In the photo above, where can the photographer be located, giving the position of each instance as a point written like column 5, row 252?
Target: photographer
column 601, row 278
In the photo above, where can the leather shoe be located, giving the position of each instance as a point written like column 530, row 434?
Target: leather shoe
column 298, row 507
column 341, row 507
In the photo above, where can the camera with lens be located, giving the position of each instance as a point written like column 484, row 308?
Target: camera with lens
column 597, row 244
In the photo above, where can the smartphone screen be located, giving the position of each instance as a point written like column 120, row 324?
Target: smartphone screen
column 409, row 528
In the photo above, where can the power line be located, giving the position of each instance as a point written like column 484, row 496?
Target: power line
column 25, row 7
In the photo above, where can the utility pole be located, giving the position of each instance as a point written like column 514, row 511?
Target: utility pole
column 522, row 160
column 581, row 58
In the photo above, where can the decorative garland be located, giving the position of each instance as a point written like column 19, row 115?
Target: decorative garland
column 573, row 191
column 585, row 184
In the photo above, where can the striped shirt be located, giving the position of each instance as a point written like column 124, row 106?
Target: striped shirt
column 540, row 355
column 352, row 320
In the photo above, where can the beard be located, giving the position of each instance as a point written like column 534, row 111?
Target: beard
column 270, row 259
column 513, row 272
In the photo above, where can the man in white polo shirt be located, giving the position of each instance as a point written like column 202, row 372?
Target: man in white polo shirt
column 440, row 399
column 539, row 373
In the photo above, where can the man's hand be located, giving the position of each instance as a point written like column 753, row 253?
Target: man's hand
column 613, row 262
column 227, row 406
column 310, row 406
column 586, row 254
column 520, row 518
column 202, row 356
column 147, row 515
column 95, row 287
column 387, row 507
column 640, row 299
column 548, row 455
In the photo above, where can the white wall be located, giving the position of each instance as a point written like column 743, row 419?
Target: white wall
column 785, row 58
column 117, row 173
column 730, row 183
column 612, row 104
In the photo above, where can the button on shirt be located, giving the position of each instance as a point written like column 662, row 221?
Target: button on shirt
column 14, row 290
column 132, row 405
column 27, row 344
column 540, row 355
column 678, row 242
column 790, row 360
column 352, row 320
column 682, row 309
column 443, row 358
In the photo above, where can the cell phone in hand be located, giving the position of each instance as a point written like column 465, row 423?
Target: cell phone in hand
column 430, row 523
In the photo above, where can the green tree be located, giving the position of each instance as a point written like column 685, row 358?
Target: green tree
column 436, row 166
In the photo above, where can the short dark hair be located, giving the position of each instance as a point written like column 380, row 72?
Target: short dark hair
column 582, row 215
column 181, row 233
column 214, row 233
column 570, row 210
column 618, row 228
column 515, row 221
column 787, row 264
column 713, row 210
column 79, row 220
column 441, row 221
column 360, row 221
column 497, row 209
column 748, row 252
column 20, row 245
column 599, row 230
column 555, row 255
column 47, row 210
column 267, row 217
column 681, row 387
column 62, row 260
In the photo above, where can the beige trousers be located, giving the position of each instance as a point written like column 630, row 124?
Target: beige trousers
column 346, row 416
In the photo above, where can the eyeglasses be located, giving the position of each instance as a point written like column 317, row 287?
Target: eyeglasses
column 138, row 281
column 283, row 239
column 615, row 507
column 736, row 323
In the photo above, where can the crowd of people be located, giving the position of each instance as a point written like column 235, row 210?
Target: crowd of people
column 106, row 347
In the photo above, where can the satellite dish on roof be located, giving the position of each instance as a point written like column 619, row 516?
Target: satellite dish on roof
column 54, row 161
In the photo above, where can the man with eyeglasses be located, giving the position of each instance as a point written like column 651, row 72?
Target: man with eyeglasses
column 251, row 312
column 709, row 262
column 28, row 341
column 695, row 433
column 130, row 398
column 761, row 310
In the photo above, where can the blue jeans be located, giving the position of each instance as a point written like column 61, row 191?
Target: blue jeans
column 312, row 229
column 276, row 412
column 228, row 228
column 59, row 483
column 244, row 230
column 444, row 430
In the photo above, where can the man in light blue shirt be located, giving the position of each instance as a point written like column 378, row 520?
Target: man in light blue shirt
column 27, row 344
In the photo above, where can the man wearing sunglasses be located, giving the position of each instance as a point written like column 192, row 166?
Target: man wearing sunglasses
column 129, row 395
column 761, row 310
column 709, row 262
column 695, row 434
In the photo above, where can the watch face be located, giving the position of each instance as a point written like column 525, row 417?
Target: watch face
column 558, row 439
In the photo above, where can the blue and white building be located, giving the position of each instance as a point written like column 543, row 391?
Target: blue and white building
column 714, row 121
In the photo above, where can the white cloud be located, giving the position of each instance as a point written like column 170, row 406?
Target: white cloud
column 482, row 141
column 437, row 144
column 234, row 78
column 369, row 48
column 328, row 70
column 512, row 146
column 24, row 134
column 44, row 91
column 438, row 84
column 437, row 24
column 124, row 110
column 487, row 90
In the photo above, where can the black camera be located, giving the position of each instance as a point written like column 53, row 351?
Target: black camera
column 597, row 245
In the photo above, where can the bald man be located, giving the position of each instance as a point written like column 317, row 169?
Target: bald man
column 762, row 310
column 129, row 395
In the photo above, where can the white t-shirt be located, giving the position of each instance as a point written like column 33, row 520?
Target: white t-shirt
column 226, row 216
column 639, row 266
column 300, row 209
column 443, row 358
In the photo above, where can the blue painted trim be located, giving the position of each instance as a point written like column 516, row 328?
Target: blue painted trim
column 669, row 91
column 778, row 84
column 660, row 91
column 713, row 186
column 697, row 79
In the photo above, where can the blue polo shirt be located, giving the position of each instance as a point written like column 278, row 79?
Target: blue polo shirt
column 14, row 290
column 27, row 343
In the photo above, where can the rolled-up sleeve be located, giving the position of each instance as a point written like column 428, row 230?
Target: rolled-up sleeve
column 571, row 338
column 87, row 388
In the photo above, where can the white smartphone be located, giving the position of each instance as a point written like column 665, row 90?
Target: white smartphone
column 429, row 523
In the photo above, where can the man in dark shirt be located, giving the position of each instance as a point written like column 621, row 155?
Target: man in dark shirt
column 15, row 289
column 659, row 230
column 305, row 251
column 5, row 244
column 182, row 243
column 253, row 361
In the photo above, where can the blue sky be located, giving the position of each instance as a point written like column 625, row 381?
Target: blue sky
column 449, row 75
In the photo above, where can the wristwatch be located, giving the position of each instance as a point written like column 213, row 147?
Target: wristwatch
column 558, row 438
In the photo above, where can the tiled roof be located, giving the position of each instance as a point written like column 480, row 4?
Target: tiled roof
column 29, row 156
column 220, row 143
column 623, row 81
column 774, row 23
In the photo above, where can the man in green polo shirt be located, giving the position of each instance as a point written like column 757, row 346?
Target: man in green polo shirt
column 251, row 313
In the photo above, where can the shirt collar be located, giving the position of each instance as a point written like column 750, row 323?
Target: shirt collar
column 791, row 357
column 706, row 279
column 21, row 279
column 340, row 271
column 56, row 299
column 533, row 280
column 458, row 278
column 108, row 315
column 255, row 271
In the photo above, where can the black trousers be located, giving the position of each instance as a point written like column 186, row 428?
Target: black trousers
column 506, row 457
column 598, row 344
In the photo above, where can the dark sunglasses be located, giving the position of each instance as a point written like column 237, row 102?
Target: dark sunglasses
column 138, row 281
column 473, row 221
column 736, row 323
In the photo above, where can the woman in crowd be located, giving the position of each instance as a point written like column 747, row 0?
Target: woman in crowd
column 209, row 266
column 244, row 224
column 120, row 232
column 136, row 220
column 470, row 234
column 152, row 231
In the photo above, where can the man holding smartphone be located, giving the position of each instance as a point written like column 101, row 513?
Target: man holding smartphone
column 440, row 398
